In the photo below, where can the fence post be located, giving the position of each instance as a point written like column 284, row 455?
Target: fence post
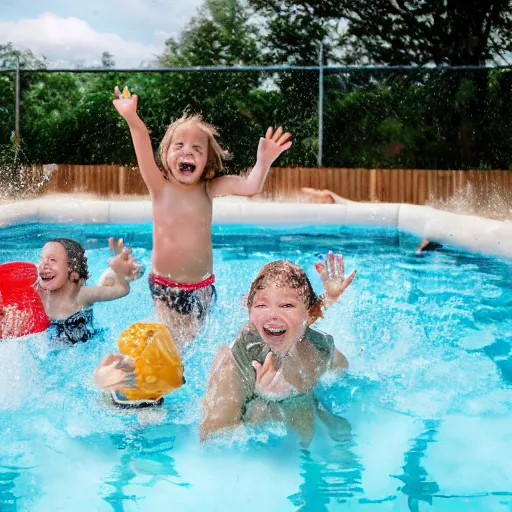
column 320, row 104
column 17, row 108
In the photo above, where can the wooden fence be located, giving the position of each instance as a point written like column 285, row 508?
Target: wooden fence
column 414, row 186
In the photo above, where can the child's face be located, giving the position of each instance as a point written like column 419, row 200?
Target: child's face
column 188, row 153
column 53, row 267
column 280, row 317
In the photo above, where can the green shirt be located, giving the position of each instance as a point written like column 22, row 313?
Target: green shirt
column 249, row 347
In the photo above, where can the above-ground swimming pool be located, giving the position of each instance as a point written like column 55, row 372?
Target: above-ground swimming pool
column 428, row 394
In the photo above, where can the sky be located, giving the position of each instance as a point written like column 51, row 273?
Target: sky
column 70, row 32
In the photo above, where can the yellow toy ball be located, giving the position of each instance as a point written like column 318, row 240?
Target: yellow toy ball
column 158, row 364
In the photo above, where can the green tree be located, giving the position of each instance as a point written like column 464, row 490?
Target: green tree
column 107, row 60
column 294, row 29
column 398, row 32
column 453, row 32
column 10, row 56
column 220, row 34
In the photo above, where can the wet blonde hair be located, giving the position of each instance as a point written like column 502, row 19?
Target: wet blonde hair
column 284, row 273
column 216, row 155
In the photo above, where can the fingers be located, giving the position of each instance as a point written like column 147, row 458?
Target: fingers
column 115, row 372
column 340, row 264
column 108, row 359
column 277, row 134
column 348, row 280
column 280, row 138
column 286, row 136
column 126, row 364
column 320, row 268
column 336, row 268
column 284, row 147
column 125, row 95
column 333, row 267
column 116, row 247
column 267, row 367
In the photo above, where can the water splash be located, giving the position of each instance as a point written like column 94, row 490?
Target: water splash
column 19, row 179
column 493, row 201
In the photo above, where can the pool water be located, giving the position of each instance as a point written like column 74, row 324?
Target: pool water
column 428, row 395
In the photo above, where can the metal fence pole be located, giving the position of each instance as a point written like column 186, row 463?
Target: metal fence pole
column 17, row 108
column 320, row 104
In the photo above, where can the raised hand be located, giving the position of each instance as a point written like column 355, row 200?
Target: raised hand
column 270, row 380
column 332, row 272
column 274, row 143
column 123, row 261
column 127, row 107
column 115, row 372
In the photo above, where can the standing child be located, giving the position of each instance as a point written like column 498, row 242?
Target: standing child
column 63, row 272
column 269, row 372
column 181, row 281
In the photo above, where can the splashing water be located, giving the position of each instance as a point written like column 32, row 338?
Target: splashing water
column 427, row 356
column 492, row 201
column 19, row 180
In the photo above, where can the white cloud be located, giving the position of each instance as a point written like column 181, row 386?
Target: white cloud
column 66, row 41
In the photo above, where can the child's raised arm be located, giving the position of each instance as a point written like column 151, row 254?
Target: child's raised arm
column 269, row 148
column 222, row 403
column 151, row 174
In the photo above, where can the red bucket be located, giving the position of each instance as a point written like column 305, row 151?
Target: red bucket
column 17, row 281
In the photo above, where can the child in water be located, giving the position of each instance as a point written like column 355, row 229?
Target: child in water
column 270, row 370
column 182, row 279
column 63, row 272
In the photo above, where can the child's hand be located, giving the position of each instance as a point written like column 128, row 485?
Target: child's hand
column 332, row 272
column 115, row 372
column 127, row 107
column 270, row 380
column 273, row 145
column 318, row 196
column 123, row 262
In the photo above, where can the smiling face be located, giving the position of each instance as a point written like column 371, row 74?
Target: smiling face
column 188, row 153
column 53, row 267
column 280, row 316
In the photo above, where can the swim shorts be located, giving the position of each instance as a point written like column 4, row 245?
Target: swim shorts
column 184, row 298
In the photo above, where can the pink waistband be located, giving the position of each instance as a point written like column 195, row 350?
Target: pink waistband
column 155, row 278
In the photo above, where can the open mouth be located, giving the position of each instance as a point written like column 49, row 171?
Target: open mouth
column 274, row 331
column 46, row 278
column 187, row 167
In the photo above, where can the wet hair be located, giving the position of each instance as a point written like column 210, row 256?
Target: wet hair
column 216, row 155
column 77, row 261
column 284, row 273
